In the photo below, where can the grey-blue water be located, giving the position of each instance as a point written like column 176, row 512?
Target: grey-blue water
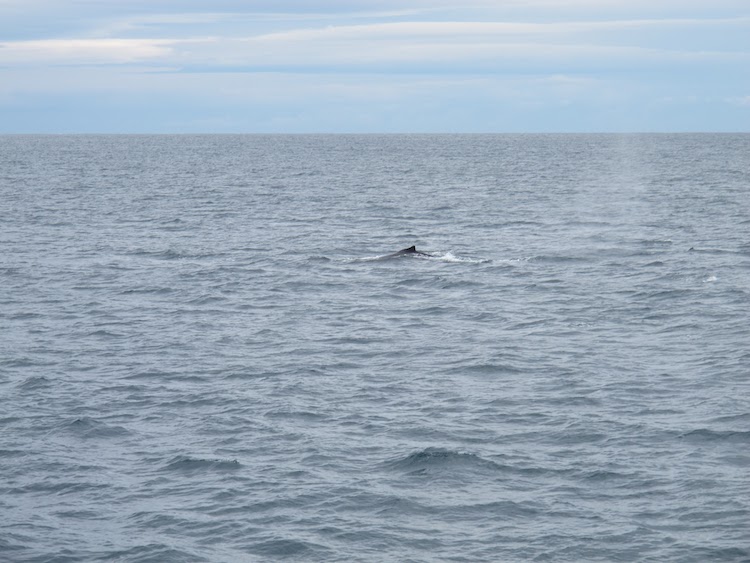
column 206, row 356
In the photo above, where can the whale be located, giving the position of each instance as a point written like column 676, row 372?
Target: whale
column 411, row 251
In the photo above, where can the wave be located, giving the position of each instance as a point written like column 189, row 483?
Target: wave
column 35, row 382
column 743, row 417
column 171, row 254
column 655, row 242
column 706, row 435
column 25, row 361
column 717, row 251
column 147, row 289
column 102, row 333
column 285, row 548
column 497, row 509
column 190, row 464
column 431, row 459
column 487, row 368
column 10, row 271
column 557, row 259
column 603, row 475
column 447, row 257
column 452, row 258
column 153, row 552
column 88, row 428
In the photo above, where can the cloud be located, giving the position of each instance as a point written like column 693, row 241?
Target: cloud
column 742, row 101
column 84, row 51
column 452, row 46
column 48, row 19
column 479, row 30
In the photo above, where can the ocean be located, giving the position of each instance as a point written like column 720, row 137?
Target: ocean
column 207, row 353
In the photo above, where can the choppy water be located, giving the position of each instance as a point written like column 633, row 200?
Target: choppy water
column 204, row 355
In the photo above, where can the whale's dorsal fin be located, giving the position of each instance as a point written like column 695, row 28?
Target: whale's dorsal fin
column 412, row 250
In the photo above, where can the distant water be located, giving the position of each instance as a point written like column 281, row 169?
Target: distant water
column 205, row 356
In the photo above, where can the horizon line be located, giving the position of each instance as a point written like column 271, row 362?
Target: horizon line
column 365, row 133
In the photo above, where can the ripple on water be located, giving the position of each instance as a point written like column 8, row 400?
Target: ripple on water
column 432, row 461
column 193, row 465
column 91, row 429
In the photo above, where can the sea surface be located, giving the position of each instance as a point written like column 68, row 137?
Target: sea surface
column 206, row 353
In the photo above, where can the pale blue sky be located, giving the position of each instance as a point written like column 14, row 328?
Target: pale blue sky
column 230, row 66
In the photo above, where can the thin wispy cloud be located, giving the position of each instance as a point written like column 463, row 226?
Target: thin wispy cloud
column 483, row 30
column 84, row 51
column 448, row 44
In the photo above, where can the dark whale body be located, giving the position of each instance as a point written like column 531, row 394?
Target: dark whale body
column 411, row 251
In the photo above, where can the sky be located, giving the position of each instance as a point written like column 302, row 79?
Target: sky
column 374, row 66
